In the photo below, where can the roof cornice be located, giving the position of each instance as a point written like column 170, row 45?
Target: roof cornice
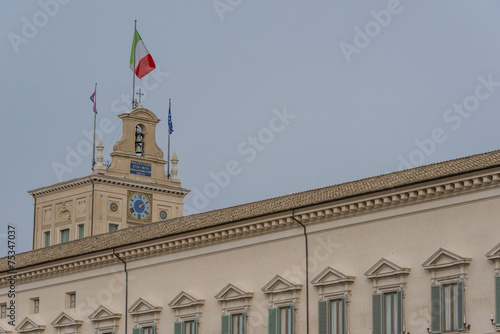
column 231, row 230
column 106, row 179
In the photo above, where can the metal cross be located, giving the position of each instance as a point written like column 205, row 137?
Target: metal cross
column 140, row 94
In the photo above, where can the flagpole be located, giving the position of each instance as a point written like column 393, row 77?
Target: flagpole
column 168, row 161
column 133, row 71
column 95, row 115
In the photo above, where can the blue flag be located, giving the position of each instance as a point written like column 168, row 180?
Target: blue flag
column 92, row 98
column 170, row 125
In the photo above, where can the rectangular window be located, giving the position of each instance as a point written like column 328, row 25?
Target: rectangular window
column 447, row 311
column 64, row 235
column 81, row 231
column 388, row 313
column 147, row 330
column 112, row 227
column 186, row 327
column 233, row 323
column 331, row 316
column 72, row 300
column 281, row 320
column 144, row 330
column 36, row 305
column 3, row 311
column 46, row 238
column 189, row 327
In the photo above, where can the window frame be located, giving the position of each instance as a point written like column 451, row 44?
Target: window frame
column 3, row 310
column 379, row 316
column 275, row 319
column 114, row 225
column 46, row 238
column 180, row 326
column 80, row 231
column 63, row 230
column 227, row 323
column 438, row 307
column 35, row 305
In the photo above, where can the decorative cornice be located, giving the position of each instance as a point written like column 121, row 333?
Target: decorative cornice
column 270, row 223
column 238, row 293
column 331, row 276
column 433, row 262
column 191, row 300
column 385, row 268
column 104, row 179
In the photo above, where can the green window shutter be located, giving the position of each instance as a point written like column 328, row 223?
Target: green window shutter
column 343, row 317
column 244, row 320
column 226, row 324
column 323, row 316
column 377, row 313
column 292, row 319
column 137, row 330
column 273, row 321
column 497, row 300
column 195, row 326
column 64, row 235
column 399, row 312
column 460, row 303
column 178, row 327
column 153, row 329
column 436, row 306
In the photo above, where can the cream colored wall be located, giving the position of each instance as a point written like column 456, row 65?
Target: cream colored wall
column 77, row 200
column 406, row 234
column 104, row 195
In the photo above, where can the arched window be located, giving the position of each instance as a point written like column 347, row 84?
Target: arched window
column 139, row 141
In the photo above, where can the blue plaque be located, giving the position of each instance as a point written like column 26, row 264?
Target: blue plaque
column 140, row 168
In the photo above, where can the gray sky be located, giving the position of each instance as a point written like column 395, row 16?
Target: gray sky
column 291, row 95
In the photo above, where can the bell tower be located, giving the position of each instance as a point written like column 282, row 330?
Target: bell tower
column 134, row 190
column 137, row 155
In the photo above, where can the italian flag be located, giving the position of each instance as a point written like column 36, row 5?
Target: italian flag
column 143, row 61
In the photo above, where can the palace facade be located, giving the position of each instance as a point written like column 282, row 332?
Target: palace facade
column 414, row 251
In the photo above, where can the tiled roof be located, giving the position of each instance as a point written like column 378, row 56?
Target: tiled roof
column 255, row 209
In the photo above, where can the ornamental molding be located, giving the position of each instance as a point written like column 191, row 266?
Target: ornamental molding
column 66, row 319
column 115, row 181
column 279, row 284
column 386, row 268
column 494, row 253
column 184, row 299
column 331, row 276
column 444, row 258
column 104, row 313
column 232, row 292
column 142, row 306
column 310, row 215
column 30, row 324
column 4, row 330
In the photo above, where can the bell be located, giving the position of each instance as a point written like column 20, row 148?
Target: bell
column 138, row 137
column 138, row 148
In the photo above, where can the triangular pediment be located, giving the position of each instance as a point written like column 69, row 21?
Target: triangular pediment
column 384, row 268
column 66, row 318
column 443, row 258
column 280, row 284
column 30, row 324
column 142, row 306
column 330, row 276
column 4, row 329
column 104, row 313
column 231, row 292
column 494, row 253
column 184, row 299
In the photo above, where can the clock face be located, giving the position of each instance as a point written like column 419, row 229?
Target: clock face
column 139, row 206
